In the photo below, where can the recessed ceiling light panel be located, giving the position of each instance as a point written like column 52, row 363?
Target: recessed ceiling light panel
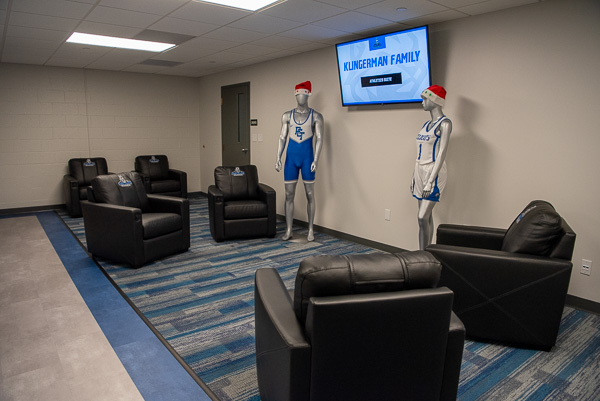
column 250, row 5
column 121, row 43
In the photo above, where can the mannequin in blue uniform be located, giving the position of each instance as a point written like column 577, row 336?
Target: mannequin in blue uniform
column 302, row 130
column 430, row 174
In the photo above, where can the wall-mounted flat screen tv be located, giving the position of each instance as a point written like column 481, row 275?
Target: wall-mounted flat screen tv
column 390, row 68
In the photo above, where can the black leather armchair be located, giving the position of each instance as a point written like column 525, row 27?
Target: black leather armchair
column 158, row 178
column 358, row 327
column 239, row 206
column 81, row 173
column 510, row 285
column 125, row 225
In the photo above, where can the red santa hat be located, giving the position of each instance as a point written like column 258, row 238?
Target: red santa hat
column 436, row 94
column 303, row 88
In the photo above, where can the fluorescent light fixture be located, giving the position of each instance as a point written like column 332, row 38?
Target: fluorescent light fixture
column 250, row 5
column 121, row 43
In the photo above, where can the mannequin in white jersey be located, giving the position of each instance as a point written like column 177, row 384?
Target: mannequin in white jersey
column 430, row 174
column 298, row 128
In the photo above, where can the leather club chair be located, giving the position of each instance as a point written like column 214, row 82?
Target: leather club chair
column 125, row 225
column 81, row 173
column 510, row 284
column 358, row 327
column 239, row 206
column 158, row 178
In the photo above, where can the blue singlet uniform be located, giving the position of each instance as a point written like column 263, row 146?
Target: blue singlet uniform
column 300, row 153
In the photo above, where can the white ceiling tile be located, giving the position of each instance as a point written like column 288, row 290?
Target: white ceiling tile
column 350, row 4
column 209, row 43
column 281, row 42
column 313, row 32
column 24, row 56
column 235, row 35
column 352, row 22
column 118, row 59
column 303, row 10
column 414, row 8
column 3, row 4
column 32, row 44
column 265, row 23
column 2, row 17
column 250, row 49
column 209, row 13
column 183, row 53
column 56, row 8
column 183, row 26
column 115, row 16
column 43, row 21
column 98, row 28
column 35, row 33
column 435, row 18
column 494, row 5
column 159, row 7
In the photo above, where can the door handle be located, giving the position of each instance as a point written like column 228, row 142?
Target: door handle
column 245, row 150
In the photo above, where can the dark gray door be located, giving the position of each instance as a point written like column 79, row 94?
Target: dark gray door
column 235, row 124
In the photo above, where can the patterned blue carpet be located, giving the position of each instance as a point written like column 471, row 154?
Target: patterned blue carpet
column 202, row 303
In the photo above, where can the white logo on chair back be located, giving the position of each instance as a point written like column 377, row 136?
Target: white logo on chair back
column 520, row 217
column 124, row 182
column 237, row 172
column 89, row 163
column 154, row 160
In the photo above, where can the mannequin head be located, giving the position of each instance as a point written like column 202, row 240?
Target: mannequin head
column 436, row 95
column 302, row 92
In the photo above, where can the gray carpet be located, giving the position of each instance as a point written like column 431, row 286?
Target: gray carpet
column 202, row 303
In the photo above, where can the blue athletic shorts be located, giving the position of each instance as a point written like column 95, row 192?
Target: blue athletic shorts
column 298, row 159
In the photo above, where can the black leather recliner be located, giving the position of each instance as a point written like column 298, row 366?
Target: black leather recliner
column 358, row 327
column 81, row 173
column 158, row 178
column 510, row 285
column 239, row 206
column 125, row 225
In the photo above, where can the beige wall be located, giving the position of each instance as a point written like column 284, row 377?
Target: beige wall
column 49, row 115
column 523, row 97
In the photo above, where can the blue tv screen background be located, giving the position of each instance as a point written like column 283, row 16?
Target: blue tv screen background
column 391, row 68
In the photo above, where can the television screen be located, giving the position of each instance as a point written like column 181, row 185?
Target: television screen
column 390, row 68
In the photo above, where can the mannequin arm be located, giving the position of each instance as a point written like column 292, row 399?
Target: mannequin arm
column 318, row 131
column 445, row 130
column 285, row 121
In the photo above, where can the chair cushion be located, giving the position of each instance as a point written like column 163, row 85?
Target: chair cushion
column 244, row 209
column 157, row 224
column 162, row 186
column 237, row 182
column 124, row 189
column 84, row 170
column 156, row 166
column 320, row 276
column 535, row 231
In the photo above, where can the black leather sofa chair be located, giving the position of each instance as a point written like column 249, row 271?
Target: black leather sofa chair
column 158, row 178
column 81, row 174
column 510, row 285
column 358, row 327
column 125, row 225
column 239, row 206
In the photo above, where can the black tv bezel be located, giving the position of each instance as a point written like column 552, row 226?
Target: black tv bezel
column 426, row 27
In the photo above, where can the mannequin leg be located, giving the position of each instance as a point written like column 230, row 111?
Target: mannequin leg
column 425, row 218
column 290, row 193
column 310, row 197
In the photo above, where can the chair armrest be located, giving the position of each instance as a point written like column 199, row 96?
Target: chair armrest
column 453, row 361
column 216, row 213
column 470, row 236
column 169, row 204
column 180, row 176
column 268, row 195
column 282, row 351
column 113, row 230
column 172, row 204
column 71, row 195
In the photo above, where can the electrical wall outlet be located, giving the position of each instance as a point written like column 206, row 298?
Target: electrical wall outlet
column 586, row 267
column 388, row 214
